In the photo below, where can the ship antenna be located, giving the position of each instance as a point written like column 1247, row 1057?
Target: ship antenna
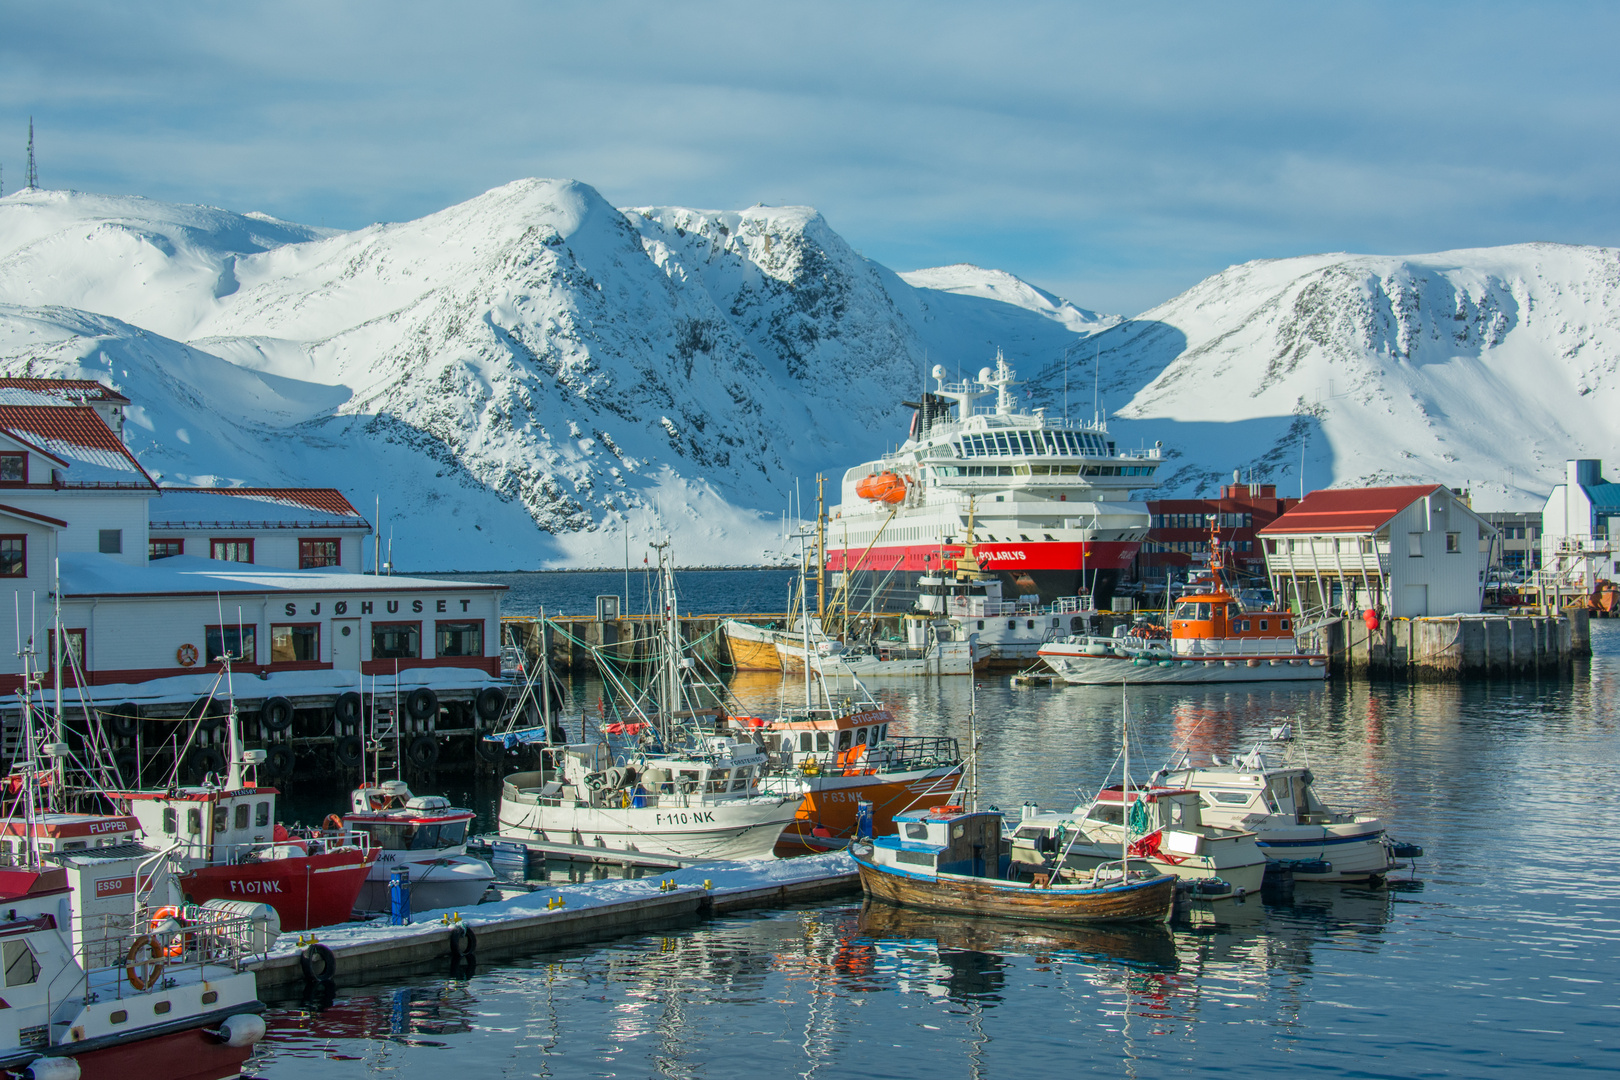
column 1096, row 384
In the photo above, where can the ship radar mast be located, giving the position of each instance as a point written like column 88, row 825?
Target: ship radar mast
column 1000, row 380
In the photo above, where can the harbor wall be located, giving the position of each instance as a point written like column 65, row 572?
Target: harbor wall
column 1445, row 648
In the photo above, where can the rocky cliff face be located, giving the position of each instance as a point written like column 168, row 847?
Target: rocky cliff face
column 520, row 379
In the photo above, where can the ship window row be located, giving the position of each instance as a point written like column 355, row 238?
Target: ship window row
column 1033, row 443
column 1194, row 547
column 1045, row 470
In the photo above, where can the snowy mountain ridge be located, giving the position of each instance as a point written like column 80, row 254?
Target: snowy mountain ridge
column 521, row 378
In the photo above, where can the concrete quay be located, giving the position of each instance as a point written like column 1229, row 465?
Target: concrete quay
column 553, row 917
column 1446, row 648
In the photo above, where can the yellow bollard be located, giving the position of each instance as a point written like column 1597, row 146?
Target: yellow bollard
column 707, row 884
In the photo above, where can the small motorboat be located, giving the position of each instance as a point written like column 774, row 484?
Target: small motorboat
column 423, row 834
column 957, row 861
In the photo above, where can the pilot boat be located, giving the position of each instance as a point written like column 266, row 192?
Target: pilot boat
column 1163, row 828
column 423, row 834
column 1213, row 636
column 1292, row 826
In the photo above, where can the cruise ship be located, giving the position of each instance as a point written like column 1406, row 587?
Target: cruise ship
column 1045, row 502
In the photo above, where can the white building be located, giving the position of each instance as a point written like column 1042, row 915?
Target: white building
column 1404, row 551
column 1577, row 538
column 155, row 584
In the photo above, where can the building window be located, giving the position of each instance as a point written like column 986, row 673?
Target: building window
column 13, row 468
column 313, row 553
column 1453, row 543
column 396, row 641
column 73, row 650
column 164, row 549
column 13, row 556
column 459, row 639
column 238, row 640
column 230, row 550
column 1414, row 545
column 292, row 644
column 112, row 541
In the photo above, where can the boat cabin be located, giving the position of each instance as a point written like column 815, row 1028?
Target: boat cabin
column 944, row 840
column 723, row 767
column 799, row 738
column 1177, row 812
column 1246, row 787
column 396, row 820
column 55, row 832
column 1216, row 623
column 211, row 824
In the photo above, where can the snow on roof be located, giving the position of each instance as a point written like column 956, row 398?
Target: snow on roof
column 1349, row 510
column 184, row 507
column 79, row 437
column 57, row 392
column 31, row 516
column 91, row 574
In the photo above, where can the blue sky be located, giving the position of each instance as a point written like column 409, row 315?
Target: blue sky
column 1115, row 154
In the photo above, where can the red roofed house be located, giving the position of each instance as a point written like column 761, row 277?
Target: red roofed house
column 1406, row 551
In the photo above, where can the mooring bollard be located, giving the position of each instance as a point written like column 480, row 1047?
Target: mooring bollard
column 399, row 897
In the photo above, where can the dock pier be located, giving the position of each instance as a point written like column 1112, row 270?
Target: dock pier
column 1446, row 648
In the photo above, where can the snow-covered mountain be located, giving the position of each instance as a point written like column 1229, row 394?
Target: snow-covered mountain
column 1483, row 368
column 520, row 378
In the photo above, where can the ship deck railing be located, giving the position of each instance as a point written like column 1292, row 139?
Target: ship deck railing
column 898, row 753
column 108, row 945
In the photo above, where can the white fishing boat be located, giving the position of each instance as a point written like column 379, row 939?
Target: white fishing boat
column 1293, row 828
column 928, row 647
column 654, row 781
column 423, row 834
column 1162, row 827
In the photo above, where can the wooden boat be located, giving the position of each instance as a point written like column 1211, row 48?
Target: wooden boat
column 753, row 648
column 953, row 861
column 1143, row 946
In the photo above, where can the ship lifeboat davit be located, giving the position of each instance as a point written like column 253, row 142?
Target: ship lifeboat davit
column 885, row 487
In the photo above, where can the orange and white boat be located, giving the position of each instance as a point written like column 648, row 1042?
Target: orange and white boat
column 1212, row 637
column 844, row 758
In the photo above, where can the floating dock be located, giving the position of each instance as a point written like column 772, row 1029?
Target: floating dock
column 552, row 917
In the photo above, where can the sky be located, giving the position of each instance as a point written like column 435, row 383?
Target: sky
column 1113, row 154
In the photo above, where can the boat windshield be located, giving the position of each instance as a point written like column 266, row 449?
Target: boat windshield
column 414, row 836
column 1187, row 610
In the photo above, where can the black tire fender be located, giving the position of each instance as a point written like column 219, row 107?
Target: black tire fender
column 318, row 963
column 491, row 700
column 423, row 751
column 276, row 714
column 422, row 703
column 348, row 707
column 280, row 760
column 124, row 720
column 350, row 750
column 202, row 760
column 463, row 942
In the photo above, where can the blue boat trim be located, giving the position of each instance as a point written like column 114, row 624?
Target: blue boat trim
column 1324, row 841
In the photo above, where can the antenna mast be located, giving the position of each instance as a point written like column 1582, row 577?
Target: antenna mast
column 33, row 173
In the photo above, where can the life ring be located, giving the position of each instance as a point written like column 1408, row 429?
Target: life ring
column 165, row 926
column 143, row 971
column 333, row 823
column 946, row 811
column 186, row 655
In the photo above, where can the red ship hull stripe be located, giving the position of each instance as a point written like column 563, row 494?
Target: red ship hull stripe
column 1039, row 555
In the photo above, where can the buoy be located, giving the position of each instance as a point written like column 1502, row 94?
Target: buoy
column 1370, row 617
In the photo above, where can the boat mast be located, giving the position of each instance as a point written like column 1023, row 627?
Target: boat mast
column 1125, row 788
column 973, row 739
column 821, row 551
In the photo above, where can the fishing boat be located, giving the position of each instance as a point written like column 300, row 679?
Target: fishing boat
column 423, row 834
column 1162, row 827
column 1055, row 497
column 752, row 647
column 928, row 647
column 956, row 860
column 226, row 837
column 107, row 976
column 1213, row 636
column 654, row 781
column 1292, row 826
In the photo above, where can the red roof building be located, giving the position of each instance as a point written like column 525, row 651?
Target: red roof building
column 1407, row 551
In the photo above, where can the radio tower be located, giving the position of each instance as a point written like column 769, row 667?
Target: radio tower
column 33, row 173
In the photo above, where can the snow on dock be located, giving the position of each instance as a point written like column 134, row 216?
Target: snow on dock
column 568, row 914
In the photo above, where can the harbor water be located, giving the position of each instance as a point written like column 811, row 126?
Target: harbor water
column 1498, row 956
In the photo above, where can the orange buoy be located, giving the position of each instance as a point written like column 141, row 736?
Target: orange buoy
column 882, row 487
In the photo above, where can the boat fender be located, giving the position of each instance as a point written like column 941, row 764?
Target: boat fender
column 143, row 964
column 203, row 760
column 241, row 1030
column 424, row 750
column 52, row 1068
column 123, row 720
column 128, row 764
column 318, row 963
column 422, row 703
column 463, row 942
column 279, row 760
column 333, row 823
column 350, row 750
column 489, row 703
column 276, row 714
column 348, row 707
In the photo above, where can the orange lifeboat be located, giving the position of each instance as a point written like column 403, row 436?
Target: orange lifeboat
column 883, row 487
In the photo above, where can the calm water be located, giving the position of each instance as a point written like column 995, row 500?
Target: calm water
column 1500, row 959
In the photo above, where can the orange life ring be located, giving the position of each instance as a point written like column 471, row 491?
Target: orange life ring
column 332, row 823
column 186, row 655
column 143, row 971
column 159, row 917
column 946, row 811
